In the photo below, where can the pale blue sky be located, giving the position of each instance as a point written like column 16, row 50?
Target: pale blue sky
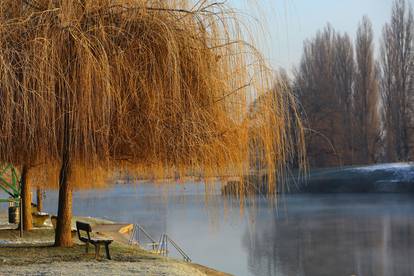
column 289, row 22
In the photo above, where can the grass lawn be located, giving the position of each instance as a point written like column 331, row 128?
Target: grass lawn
column 46, row 253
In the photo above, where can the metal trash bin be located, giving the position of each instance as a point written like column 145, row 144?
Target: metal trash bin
column 14, row 212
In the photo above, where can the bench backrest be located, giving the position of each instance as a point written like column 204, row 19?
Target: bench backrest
column 82, row 226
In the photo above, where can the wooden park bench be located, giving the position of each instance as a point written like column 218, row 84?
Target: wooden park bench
column 97, row 242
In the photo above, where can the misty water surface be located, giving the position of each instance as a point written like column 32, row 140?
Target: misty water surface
column 307, row 234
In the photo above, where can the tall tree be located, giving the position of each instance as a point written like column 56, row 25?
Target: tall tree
column 343, row 71
column 365, row 115
column 88, row 87
column 324, row 83
column 396, row 69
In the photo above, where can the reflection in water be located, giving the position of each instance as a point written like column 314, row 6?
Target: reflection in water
column 334, row 235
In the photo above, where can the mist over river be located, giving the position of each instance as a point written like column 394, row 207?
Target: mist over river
column 307, row 234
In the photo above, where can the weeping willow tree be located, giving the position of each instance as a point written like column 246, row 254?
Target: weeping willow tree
column 153, row 87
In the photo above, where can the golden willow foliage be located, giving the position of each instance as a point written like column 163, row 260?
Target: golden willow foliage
column 152, row 86
column 274, row 117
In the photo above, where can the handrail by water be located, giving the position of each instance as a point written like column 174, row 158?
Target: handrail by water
column 160, row 247
column 163, row 247
column 136, row 232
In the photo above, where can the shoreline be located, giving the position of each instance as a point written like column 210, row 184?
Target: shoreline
column 204, row 269
column 35, row 254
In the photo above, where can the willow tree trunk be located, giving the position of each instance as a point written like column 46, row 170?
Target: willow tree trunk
column 63, row 237
column 26, row 200
column 39, row 199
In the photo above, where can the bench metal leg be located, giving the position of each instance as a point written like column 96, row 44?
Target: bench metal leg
column 97, row 249
column 107, row 251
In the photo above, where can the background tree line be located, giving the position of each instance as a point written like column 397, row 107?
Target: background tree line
column 358, row 106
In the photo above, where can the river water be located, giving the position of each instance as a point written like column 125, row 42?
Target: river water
column 305, row 234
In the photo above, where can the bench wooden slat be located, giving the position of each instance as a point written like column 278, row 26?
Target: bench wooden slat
column 101, row 239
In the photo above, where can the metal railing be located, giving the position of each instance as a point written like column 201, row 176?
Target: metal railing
column 163, row 247
column 160, row 247
column 135, row 237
